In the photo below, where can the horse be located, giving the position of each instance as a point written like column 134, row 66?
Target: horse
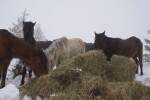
column 13, row 47
column 28, row 33
column 43, row 44
column 88, row 46
column 62, row 49
column 18, row 67
column 131, row 47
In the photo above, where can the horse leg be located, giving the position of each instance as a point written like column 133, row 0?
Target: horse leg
column 3, row 73
column 141, row 64
column 30, row 73
column 137, row 63
column 23, row 75
column 108, row 57
column 0, row 72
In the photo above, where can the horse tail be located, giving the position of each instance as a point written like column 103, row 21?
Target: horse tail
column 140, row 49
column 140, row 54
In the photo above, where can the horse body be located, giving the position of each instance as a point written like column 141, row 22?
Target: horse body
column 88, row 46
column 43, row 44
column 13, row 47
column 131, row 47
column 76, row 46
column 63, row 48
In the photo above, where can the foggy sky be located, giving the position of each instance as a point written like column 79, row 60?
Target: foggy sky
column 80, row 18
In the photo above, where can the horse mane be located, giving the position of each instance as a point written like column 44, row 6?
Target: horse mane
column 2, row 31
column 61, row 41
column 58, row 43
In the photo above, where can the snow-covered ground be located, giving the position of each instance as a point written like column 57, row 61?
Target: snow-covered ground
column 144, row 79
column 11, row 91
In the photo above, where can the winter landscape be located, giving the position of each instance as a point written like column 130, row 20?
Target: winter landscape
column 11, row 91
column 54, row 19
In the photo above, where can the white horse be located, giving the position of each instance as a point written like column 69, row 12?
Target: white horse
column 63, row 48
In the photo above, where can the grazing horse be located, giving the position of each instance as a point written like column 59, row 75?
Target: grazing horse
column 13, row 47
column 131, row 48
column 63, row 48
column 28, row 33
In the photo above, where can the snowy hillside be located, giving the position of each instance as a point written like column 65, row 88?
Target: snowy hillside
column 11, row 91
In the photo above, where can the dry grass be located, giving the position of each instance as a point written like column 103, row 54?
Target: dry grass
column 89, row 77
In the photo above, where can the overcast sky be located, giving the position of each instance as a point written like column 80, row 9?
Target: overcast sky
column 80, row 18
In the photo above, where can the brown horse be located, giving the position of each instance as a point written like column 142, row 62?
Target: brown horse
column 131, row 47
column 13, row 47
column 28, row 33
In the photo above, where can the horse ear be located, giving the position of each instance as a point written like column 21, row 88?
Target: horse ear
column 95, row 33
column 23, row 22
column 103, row 32
column 34, row 23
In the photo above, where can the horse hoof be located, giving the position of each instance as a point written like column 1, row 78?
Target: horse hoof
column 1, row 87
column 21, row 83
column 141, row 74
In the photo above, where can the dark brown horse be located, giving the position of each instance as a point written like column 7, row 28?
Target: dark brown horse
column 28, row 33
column 131, row 47
column 88, row 46
column 43, row 44
column 13, row 47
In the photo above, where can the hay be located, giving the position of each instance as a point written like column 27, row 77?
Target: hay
column 89, row 76
column 126, row 91
column 121, row 69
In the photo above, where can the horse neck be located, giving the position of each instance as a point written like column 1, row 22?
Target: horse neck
column 112, row 45
column 108, row 40
column 25, row 52
column 28, row 36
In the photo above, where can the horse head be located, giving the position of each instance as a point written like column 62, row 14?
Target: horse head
column 100, row 41
column 52, row 57
column 40, row 63
column 28, row 30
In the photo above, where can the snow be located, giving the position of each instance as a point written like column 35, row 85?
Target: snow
column 11, row 91
column 144, row 79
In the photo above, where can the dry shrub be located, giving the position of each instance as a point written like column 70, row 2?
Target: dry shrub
column 89, row 76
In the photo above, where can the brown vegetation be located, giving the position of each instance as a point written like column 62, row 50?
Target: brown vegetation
column 89, row 77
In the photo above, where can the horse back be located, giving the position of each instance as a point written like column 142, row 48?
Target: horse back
column 76, row 46
column 130, row 47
